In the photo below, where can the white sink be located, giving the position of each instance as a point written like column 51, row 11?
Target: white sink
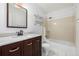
column 4, row 39
column 25, row 35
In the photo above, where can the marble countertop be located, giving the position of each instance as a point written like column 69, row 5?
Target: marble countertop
column 12, row 39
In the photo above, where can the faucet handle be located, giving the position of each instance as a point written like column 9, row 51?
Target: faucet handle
column 21, row 32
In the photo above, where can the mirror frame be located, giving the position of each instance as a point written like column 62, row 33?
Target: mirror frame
column 8, row 26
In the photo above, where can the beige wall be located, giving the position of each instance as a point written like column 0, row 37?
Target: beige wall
column 61, row 29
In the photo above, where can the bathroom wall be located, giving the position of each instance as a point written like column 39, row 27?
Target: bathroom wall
column 31, row 8
column 62, row 25
column 77, row 27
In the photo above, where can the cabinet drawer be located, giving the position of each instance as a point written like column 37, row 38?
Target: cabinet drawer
column 14, row 49
column 27, row 48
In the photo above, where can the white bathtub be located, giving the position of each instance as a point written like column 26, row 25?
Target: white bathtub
column 61, row 48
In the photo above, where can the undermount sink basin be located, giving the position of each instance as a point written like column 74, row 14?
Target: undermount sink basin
column 4, row 39
column 16, row 38
column 25, row 35
column 12, row 39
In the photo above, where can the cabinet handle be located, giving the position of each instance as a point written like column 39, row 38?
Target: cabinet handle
column 16, row 49
column 29, row 44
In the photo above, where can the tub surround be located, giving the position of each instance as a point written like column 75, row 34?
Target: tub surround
column 62, row 25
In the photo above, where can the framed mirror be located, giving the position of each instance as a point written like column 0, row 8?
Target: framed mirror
column 16, row 16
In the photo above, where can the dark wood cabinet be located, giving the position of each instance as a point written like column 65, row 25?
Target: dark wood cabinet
column 14, row 49
column 0, row 51
column 37, row 46
column 29, row 47
column 32, row 47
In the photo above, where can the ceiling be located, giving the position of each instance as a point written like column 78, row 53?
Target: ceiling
column 48, row 7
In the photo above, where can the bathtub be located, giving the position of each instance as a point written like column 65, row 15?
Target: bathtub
column 60, row 48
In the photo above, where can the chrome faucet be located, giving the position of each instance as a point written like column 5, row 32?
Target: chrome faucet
column 20, row 33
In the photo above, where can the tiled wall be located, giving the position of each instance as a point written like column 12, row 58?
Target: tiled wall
column 61, row 29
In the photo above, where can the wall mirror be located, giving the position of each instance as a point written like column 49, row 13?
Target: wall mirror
column 16, row 16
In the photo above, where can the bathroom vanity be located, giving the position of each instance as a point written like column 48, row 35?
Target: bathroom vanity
column 30, row 46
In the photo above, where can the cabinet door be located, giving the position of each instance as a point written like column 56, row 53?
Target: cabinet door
column 0, row 51
column 28, row 47
column 14, row 49
column 37, row 46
